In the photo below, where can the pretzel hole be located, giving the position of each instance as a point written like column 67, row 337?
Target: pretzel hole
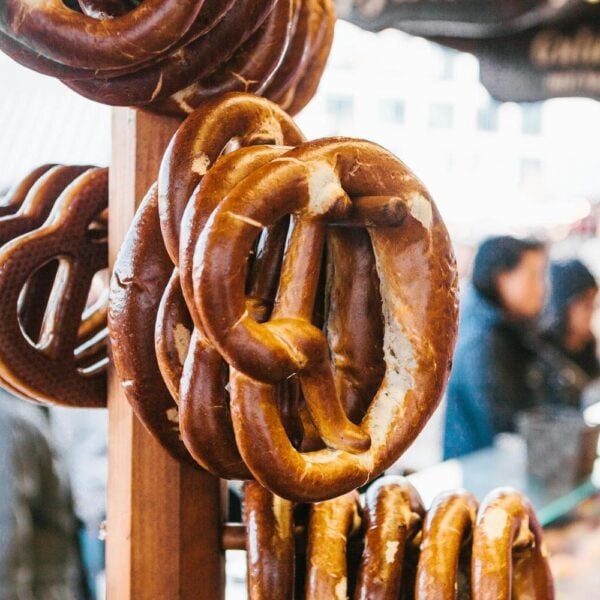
column 33, row 300
column 97, row 230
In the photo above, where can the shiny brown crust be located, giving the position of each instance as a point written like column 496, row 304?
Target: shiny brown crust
column 270, row 544
column 171, row 56
column 447, row 530
column 356, row 348
column 204, row 401
column 250, row 69
column 134, row 308
column 508, row 553
column 330, row 525
column 59, row 33
column 199, row 58
column 15, row 196
column 393, row 515
column 48, row 371
column 243, row 118
column 418, row 281
column 298, row 96
column 141, row 273
column 172, row 334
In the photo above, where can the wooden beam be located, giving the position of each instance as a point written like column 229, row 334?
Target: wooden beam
column 164, row 519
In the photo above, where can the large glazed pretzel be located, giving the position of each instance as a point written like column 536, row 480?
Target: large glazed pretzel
column 416, row 270
column 51, row 369
column 270, row 544
column 234, row 119
column 447, row 533
column 203, row 399
column 141, row 273
column 199, row 58
column 393, row 515
column 509, row 559
column 172, row 55
column 59, row 33
column 135, row 306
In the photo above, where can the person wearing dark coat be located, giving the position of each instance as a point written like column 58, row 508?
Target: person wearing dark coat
column 489, row 384
column 567, row 361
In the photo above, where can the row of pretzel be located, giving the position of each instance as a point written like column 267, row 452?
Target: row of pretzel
column 171, row 55
column 283, row 310
column 393, row 549
column 53, row 305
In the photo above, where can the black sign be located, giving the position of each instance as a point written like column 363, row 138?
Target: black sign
column 456, row 18
column 545, row 62
column 528, row 50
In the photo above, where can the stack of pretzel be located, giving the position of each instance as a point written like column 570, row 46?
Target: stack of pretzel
column 171, row 55
column 394, row 549
column 280, row 310
column 53, row 245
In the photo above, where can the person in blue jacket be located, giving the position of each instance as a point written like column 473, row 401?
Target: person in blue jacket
column 489, row 383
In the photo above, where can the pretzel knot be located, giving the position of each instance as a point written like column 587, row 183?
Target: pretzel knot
column 52, row 348
column 509, row 559
column 173, row 55
column 321, row 182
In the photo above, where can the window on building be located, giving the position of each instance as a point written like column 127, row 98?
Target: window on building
column 487, row 116
column 441, row 115
column 531, row 123
column 392, row 110
column 530, row 170
column 340, row 106
column 447, row 70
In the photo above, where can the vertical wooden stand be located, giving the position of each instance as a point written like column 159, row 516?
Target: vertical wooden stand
column 164, row 519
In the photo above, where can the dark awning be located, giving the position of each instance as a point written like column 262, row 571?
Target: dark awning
column 529, row 50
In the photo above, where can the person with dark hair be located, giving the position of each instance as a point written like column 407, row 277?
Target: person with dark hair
column 489, row 383
column 567, row 361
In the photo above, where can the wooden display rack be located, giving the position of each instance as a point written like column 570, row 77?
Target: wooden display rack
column 166, row 535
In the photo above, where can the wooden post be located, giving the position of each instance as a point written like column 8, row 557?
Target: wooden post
column 164, row 519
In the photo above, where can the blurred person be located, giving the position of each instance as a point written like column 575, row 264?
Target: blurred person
column 489, row 383
column 39, row 554
column 81, row 436
column 568, row 362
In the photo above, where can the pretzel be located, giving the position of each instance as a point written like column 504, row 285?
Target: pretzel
column 47, row 370
column 316, row 16
column 15, row 196
column 303, row 51
column 270, row 544
column 28, row 205
column 242, row 119
column 330, row 525
column 508, row 555
column 447, row 531
column 296, row 97
column 64, row 35
column 141, row 273
column 252, row 66
column 204, row 414
column 207, row 19
column 171, row 57
column 134, row 310
column 418, row 281
column 393, row 515
column 198, row 59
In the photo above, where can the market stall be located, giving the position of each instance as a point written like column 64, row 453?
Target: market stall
column 280, row 311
